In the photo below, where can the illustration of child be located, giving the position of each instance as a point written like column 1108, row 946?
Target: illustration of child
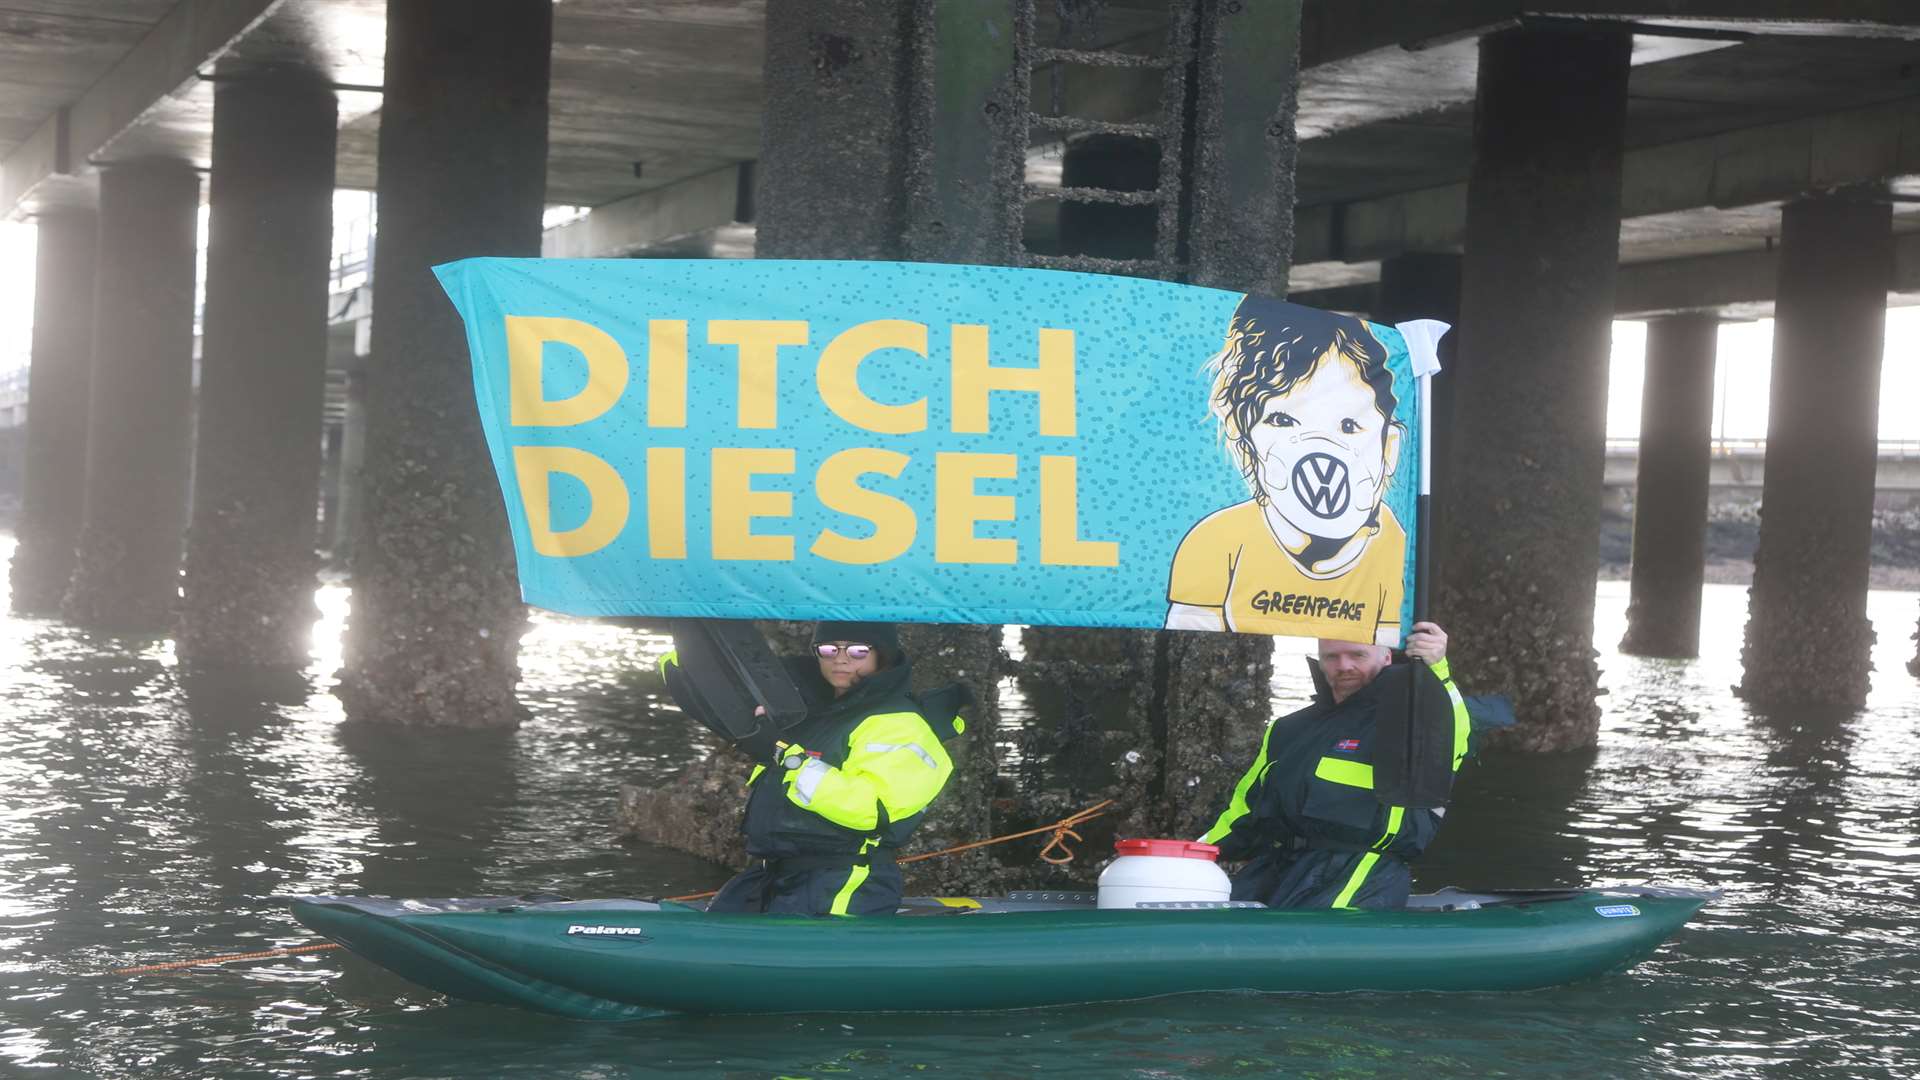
column 1305, row 404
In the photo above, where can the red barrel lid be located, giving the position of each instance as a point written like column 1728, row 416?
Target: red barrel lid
column 1172, row 849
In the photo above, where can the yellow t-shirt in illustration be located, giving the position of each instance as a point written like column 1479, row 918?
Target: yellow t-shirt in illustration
column 1231, row 561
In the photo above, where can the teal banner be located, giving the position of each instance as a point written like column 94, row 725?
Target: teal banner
column 916, row 442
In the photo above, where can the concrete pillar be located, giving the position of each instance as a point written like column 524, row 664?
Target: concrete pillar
column 57, row 386
column 834, row 135
column 127, row 572
column 850, row 95
column 1211, row 692
column 353, row 460
column 250, row 553
column 1520, row 553
column 1808, row 639
column 851, row 114
column 326, row 538
column 1670, row 493
column 966, row 178
column 437, row 618
column 1240, row 180
column 1426, row 285
column 1204, row 697
column 833, row 144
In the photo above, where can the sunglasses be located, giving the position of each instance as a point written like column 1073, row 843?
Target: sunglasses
column 853, row 652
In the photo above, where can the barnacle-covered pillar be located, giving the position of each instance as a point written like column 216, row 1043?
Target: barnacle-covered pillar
column 250, row 568
column 126, row 577
column 57, row 382
column 1670, row 494
column 434, row 638
column 865, row 156
column 1520, row 549
column 1808, row 639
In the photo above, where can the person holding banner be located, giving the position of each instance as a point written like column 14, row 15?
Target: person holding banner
column 1304, row 817
column 847, row 786
column 1305, row 404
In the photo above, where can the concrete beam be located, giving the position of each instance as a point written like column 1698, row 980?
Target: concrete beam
column 194, row 33
column 1434, row 47
column 1333, row 30
column 1707, row 283
column 689, row 207
column 1825, row 18
column 1738, row 284
column 1733, row 280
column 1761, row 164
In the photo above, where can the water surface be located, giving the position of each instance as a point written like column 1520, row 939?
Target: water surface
column 146, row 817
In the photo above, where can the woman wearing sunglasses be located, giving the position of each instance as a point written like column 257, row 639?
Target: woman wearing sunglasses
column 824, row 819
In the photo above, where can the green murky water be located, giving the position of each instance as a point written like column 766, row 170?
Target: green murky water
column 147, row 818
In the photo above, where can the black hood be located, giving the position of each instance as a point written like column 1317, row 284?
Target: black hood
column 882, row 636
column 887, row 682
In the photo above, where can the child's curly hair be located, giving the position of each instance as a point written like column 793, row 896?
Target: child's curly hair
column 1264, row 357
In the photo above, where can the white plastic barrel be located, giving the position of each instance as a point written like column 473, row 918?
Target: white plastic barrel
column 1161, row 870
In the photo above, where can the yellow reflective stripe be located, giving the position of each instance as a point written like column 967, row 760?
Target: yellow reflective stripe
column 845, row 896
column 755, row 774
column 959, row 725
column 855, row 878
column 1237, row 806
column 957, row 901
column 803, row 782
column 897, row 780
column 672, row 659
column 888, row 748
column 1395, row 815
column 1342, row 771
column 1462, row 723
column 1354, row 882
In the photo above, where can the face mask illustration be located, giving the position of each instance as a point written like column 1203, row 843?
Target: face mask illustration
column 1322, row 485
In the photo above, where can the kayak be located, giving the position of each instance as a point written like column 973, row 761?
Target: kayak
column 635, row 959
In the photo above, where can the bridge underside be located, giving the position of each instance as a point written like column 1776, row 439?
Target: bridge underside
column 1387, row 176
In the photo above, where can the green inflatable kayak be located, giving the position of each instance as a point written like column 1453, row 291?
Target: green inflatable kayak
column 631, row 959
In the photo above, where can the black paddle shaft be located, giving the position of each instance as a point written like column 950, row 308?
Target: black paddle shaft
column 1413, row 753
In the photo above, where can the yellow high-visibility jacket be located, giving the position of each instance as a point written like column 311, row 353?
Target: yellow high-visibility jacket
column 862, row 770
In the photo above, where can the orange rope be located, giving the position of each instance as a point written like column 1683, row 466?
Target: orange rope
column 1061, row 830
column 269, row 953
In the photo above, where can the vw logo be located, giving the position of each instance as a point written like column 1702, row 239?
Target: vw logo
column 1321, row 481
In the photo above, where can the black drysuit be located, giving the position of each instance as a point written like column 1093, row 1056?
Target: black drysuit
column 1305, row 817
column 823, row 823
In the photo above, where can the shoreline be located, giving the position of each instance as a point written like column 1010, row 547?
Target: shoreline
column 1740, row 572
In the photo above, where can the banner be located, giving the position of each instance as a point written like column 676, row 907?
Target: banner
column 917, row 442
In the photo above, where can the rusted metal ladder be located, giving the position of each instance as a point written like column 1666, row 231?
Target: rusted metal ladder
column 1169, row 132
column 1224, row 193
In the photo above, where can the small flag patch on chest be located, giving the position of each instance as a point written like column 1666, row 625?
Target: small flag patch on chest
column 1347, row 744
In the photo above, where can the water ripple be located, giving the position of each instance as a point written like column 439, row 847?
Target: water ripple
column 145, row 817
